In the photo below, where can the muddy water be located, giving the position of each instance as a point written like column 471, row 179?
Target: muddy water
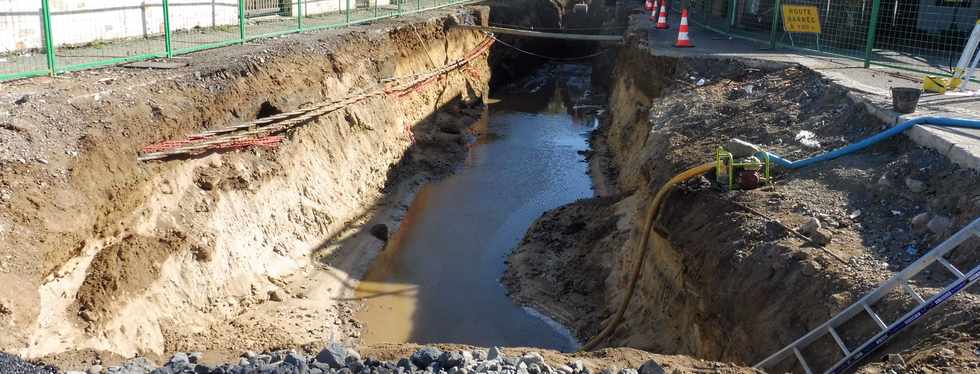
column 437, row 281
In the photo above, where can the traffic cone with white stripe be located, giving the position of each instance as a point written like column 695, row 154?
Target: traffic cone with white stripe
column 662, row 19
column 683, row 40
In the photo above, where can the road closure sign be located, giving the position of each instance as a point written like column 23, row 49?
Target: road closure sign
column 801, row 18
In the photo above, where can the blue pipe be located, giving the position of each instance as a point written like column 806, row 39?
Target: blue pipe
column 851, row 148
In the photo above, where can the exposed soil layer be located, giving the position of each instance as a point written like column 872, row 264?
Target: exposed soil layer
column 728, row 285
column 230, row 251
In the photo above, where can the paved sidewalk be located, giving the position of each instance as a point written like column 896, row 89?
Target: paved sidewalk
column 871, row 86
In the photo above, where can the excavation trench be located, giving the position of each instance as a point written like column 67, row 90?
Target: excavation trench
column 437, row 279
column 394, row 218
column 263, row 248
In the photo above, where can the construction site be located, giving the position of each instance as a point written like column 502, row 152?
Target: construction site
column 499, row 186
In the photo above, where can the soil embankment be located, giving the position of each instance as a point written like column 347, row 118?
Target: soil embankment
column 726, row 284
column 227, row 251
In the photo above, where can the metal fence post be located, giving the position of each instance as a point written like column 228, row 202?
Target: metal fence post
column 400, row 6
column 299, row 14
column 167, row 38
column 348, row 12
column 48, row 38
column 731, row 13
column 872, row 30
column 776, row 10
column 241, row 21
column 418, row 6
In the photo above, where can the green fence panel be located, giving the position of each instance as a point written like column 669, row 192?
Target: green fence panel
column 196, row 24
column 73, row 36
column 265, row 18
column 29, row 56
column 923, row 35
column 90, row 36
column 321, row 14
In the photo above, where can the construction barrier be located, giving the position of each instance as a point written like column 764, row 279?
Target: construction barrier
column 683, row 39
column 926, row 36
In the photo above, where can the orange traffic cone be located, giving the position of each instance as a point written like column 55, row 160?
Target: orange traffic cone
column 653, row 15
column 648, row 5
column 682, row 39
column 662, row 19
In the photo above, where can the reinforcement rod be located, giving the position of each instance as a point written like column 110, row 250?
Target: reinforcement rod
column 539, row 34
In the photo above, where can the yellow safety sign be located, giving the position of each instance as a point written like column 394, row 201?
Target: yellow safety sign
column 801, row 18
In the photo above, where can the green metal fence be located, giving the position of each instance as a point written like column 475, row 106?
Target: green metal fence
column 42, row 40
column 918, row 35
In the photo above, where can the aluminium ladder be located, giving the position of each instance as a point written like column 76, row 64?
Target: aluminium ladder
column 852, row 356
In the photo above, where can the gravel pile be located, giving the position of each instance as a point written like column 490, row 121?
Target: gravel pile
column 10, row 364
column 338, row 359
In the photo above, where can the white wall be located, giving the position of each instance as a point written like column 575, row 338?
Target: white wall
column 314, row 7
column 83, row 21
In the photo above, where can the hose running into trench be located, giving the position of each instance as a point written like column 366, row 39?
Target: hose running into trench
column 871, row 140
column 653, row 212
column 648, row 223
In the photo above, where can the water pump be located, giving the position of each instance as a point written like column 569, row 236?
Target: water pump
column 737, row 166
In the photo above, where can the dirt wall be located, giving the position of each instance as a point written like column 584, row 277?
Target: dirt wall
column 235, row 250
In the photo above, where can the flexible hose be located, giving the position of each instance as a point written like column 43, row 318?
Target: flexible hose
column 648, row 222
column 867, row 142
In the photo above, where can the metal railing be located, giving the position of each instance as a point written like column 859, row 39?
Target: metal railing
column 38, row 40
column 923, row 36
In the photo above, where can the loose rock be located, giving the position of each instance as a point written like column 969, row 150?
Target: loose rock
column 915, row 185
column 939, row 225
column 426, row 356
column 494, row 354
column 651, row 367
column 920, row 221
column 809, row 227
column 334, row 355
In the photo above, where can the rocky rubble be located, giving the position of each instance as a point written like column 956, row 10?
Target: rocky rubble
column 15, row 365
column 339, row 359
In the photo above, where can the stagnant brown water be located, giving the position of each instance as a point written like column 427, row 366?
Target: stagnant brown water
column 438, row 279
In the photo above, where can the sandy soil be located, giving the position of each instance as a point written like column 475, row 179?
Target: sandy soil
column 231, row 251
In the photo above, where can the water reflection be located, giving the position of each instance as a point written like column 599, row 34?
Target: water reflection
column 437, row 281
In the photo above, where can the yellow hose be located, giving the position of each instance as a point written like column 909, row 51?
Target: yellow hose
column 651, row 216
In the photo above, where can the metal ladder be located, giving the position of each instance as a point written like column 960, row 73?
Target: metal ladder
column 852, row 356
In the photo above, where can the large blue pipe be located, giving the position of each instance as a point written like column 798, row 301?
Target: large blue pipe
column 851, row 148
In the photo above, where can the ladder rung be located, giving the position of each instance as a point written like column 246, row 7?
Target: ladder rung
column 915, row 295
column 799, row 356
column 874, row 316
column 840, row 342
column 952, row 269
